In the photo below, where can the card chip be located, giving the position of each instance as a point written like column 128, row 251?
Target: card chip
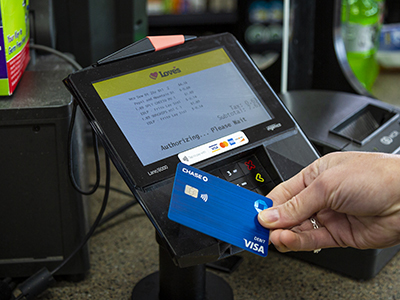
column 191, row 191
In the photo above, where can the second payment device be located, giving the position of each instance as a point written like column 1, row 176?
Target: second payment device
column 198, row 101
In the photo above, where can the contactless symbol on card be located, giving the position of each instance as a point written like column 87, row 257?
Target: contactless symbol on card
column 219, row 208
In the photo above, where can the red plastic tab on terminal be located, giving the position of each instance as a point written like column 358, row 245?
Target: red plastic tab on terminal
column 163, row 42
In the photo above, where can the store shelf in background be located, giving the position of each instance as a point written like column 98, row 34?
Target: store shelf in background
column 263, row 25
column 193, row 19
column 163, row 7
column 191, row 12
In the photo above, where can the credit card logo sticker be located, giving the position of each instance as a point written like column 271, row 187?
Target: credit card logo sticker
column 240, row 139
column 260, row 205
column 213, row 148
column 191, row 191
column 224, row 144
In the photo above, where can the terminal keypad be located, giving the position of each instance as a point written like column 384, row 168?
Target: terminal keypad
column 248, row 173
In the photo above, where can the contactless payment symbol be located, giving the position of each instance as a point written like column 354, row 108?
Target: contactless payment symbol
column 260, row 205
column 204, row 197
column 153, row 75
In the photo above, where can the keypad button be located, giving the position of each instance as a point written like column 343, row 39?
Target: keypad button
column 244, row 182
column 249, row 165
column 247, row 173
column 259, row 178
column 231, row 172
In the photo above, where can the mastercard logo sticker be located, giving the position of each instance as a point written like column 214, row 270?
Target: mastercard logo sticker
column 224, row 144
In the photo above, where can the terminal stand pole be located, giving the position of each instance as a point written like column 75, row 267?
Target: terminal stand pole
column 172, row 282
column 181, row 283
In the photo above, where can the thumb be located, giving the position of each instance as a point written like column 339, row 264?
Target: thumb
column 298, row 198
column 291, row 213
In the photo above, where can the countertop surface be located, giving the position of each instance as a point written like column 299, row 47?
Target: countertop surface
column 124, row 251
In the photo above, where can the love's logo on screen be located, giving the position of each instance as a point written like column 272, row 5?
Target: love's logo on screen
column 154, row 75
column 173, row 71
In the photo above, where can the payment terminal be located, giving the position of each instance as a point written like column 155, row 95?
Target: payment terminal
column 200, row 101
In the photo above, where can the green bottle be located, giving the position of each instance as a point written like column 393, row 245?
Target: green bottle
column 361, row 27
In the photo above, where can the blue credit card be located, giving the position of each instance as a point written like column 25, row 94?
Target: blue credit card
column 219, row 209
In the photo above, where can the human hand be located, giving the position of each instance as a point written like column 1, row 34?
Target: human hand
column 354, row 196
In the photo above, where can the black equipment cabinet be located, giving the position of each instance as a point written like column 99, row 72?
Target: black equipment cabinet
column 42, row 217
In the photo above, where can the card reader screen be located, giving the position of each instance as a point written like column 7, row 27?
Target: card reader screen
column 167, row 109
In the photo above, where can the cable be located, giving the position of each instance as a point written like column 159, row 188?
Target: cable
column 96, row 155
column 40, row 281
column 119, row 191
column 98, row 219
column 121, row 209
column 117, row 211
column 77, row 66
column 70, row 60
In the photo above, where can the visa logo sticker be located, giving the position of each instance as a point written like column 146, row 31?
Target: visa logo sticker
column 219, row 209
column 214, row 148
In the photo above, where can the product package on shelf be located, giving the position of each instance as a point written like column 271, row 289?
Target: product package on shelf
column 14, row 44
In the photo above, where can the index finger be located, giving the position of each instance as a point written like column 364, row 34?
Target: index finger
column 293, row 186
column 287, row 189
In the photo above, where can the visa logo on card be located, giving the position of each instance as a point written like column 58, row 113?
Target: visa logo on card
column 219, row 209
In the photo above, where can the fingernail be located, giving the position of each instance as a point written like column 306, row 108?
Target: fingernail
column 269, row 216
